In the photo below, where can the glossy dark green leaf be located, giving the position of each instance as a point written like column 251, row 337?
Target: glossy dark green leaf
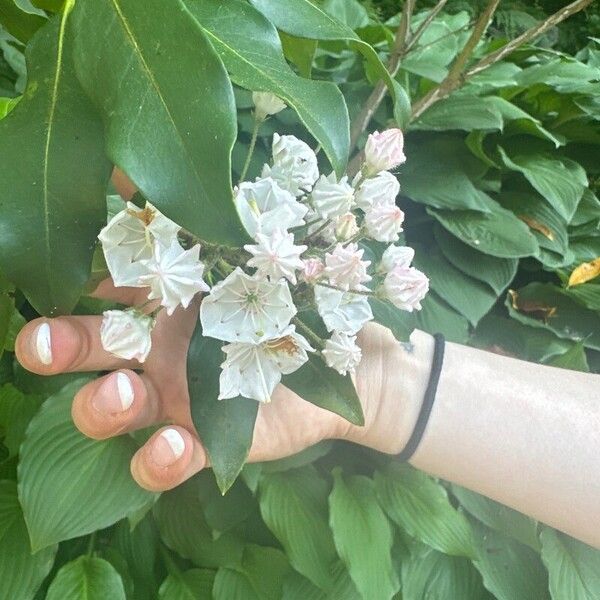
column 400, row 323
column 159, row 84
column 195, row 584
column 251, row 50
column 225, row 427
column 21, row 572
column 69, row 484
column 51, row 5
column 18, row 23
column 87, row 578
column 299, row 51
column 53, row 190
column 363, row 536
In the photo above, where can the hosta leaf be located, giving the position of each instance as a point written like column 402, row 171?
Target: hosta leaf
column 195, row 584
column 437, row 317
column 183, row 109
column 21, row 572
column 585, row 272
column 16, row 410
column 70, row 485
column 363, row 536
column 421, row 507
column 400, row 323
column 574, row 568
column 232, row 585
column 249, row 46
column 49, row 217
column 87, row 578
column 225, row 427
column 574, row 358
column 293, row 505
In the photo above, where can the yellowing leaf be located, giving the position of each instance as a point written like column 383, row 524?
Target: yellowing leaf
column 533, row 224
column 585, row 272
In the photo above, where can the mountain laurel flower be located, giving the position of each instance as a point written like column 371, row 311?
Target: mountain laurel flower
column 332, row 198
column 345, row 312
column 345, row 268
column 267, row 104
column 295, row 165
column 312, row 270
column 126, row 334
column 254, row 370
column 381, row 189
column 342, row 353
column 384, row 151
column 174, row 275
column 276, row 255
column 397, row 257
column 247, row 308
column 263, row 207
column 384, row 222
column 129, row 238
column 405, row 288
column 345, row 227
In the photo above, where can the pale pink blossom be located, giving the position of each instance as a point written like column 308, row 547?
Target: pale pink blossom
column 345, row 268
column 345, row 227
column 384, row 222
column 266, row 104
column 381, row 189
column 126, row 334
column 396, row 257
column 342, row 353
column 312, row 270
column 384, row 151
column 330, row 197
column 405, row 288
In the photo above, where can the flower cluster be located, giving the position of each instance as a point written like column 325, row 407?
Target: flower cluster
column 311, row 232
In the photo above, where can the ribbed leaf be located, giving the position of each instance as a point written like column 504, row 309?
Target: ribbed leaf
column 195, row 584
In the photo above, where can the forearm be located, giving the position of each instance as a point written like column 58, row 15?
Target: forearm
column 526, row 435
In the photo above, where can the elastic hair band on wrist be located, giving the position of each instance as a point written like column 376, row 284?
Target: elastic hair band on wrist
column 423, row 418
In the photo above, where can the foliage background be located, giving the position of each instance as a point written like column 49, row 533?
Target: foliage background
column 500, row 195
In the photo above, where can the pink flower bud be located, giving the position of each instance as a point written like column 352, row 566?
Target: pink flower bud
column 406, row 287
column 313, row 268
column 384, row 151
column 384, row 222
column 345, row 227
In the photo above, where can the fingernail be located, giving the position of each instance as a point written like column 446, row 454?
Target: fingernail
column 43, row 344
column 115, row 395
column 167, row 448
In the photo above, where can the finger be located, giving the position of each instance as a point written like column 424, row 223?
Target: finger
column 168, row 458
column 64, row 345
column 111, row 405
column 107, row 290
column 124, row 186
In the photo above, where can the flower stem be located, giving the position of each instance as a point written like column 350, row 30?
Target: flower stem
column 309, row 333
column 334, row 287
column 257, row 123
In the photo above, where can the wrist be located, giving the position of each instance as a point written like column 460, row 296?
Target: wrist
column 391, row 383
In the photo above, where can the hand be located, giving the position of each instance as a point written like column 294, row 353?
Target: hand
column 285, row 426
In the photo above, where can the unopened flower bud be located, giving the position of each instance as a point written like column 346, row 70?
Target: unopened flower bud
column 313, row 269
column 267, row 104
column 405, row 288
column 345, row 227
column 384, row 222
column 126, row 334
column 384, row 151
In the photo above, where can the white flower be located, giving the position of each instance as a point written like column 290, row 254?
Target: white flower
column 345, row 227
column 263, row 207
column 342, row 353
column 254, row 370
column 397, row 257
column 126, row 334
column 174, row 275
column 129, row 238
column 405, row 288
column 312, row 270
column 276, row 255
column 244, row 308
column 345, row 268
column 267, row 104
column 384, row 222
column 330, row 197
column 295, row 165
column 381, row 189
column 345, row 312
column 384, row 151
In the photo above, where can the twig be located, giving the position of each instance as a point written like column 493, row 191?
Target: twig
column 433, row 13
column 456, row 72
column 255, row 129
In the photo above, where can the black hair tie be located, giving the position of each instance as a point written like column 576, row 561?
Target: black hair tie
column 423, row 418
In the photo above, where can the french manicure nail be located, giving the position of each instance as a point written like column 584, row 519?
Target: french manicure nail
column 125, row 390
column 43, row 344
column 168, row 447
column 114, row 396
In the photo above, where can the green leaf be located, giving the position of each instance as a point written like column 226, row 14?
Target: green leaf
column 400, row 323
column 87, row 578
column 7, row 310
column 251, row 50
column 18, row 23
column 293, row 504
column 183, row 110
column 225, row 427
column 16, row 411
column 574, row 359
column 315, row 382
column 499, row 517
column 510, row 571
column 363, row 536
column 496, row 272
column 232, row 585
column 574, row 568
column 7, row 105
column 21, row 572
column 560, row 181
column 587, row 294
column 195, row 584
column 437, row 317
column 47, row 249
column 70, row 485
column 299, row 51
column 421, row 507
column 51, row 5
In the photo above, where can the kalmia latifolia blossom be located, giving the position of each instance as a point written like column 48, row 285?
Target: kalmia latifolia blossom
column 301, row 291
